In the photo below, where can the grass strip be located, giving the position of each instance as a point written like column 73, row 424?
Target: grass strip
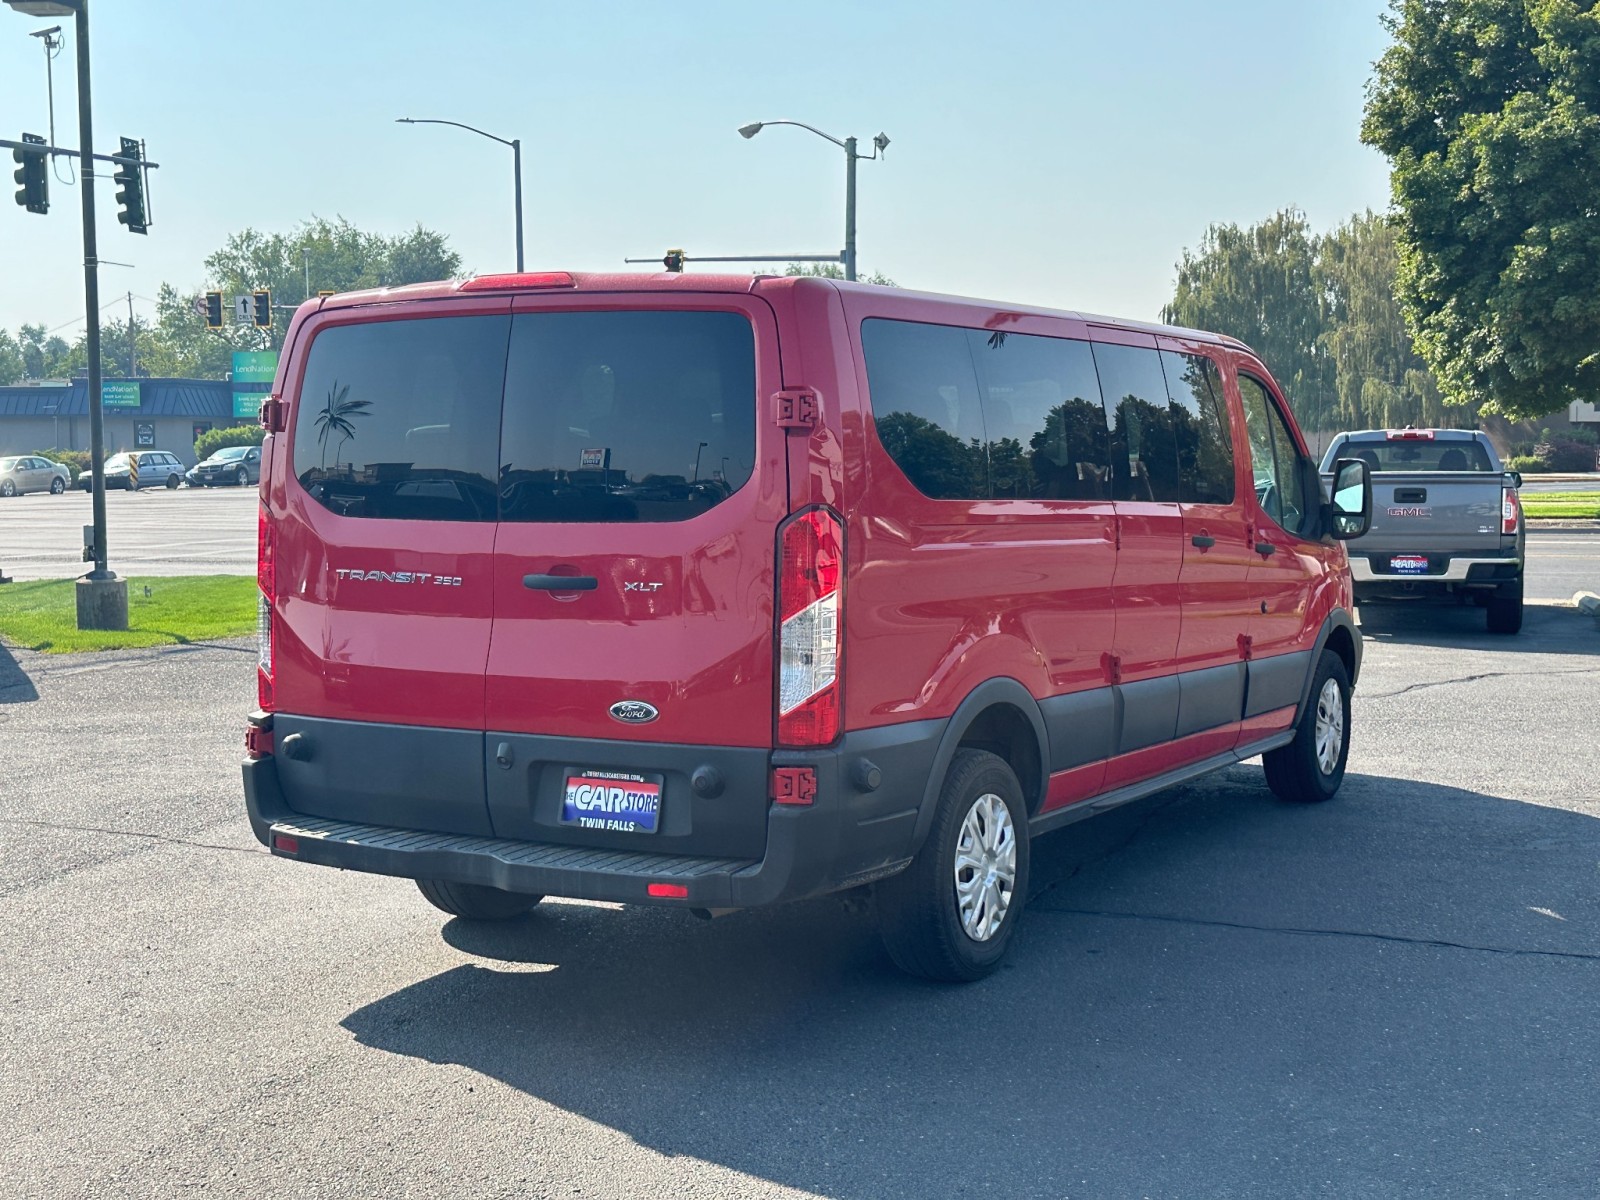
column 161, row 612
column 1561, row 504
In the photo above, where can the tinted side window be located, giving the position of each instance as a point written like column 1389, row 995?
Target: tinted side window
column 924, row 397
column 1042, row 414
column 1275, row 461
column 1200, row 417
column 401, row 419
column 1144, row 445
column 626, row 416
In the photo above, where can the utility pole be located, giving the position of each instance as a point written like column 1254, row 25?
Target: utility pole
column 132, row 361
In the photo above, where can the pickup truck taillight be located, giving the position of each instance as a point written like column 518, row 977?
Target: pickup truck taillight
column 1510, row 510
column 810, row 629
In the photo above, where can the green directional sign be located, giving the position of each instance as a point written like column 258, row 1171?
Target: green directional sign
column 119, row 393
column 254, row 366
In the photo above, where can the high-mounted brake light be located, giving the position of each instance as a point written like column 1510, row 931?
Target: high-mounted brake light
column 267, row 583
column 810, row 615
column 519, row 280
column 1409, row 434
column 1510, row 510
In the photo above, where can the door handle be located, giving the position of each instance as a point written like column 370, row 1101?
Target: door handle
column 1265, row 549
column 1203, row 541
column 560, row 583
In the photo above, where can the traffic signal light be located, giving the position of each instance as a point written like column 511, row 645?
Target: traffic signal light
column 263, row 310
column 673, row 261
column 34, row 194
column 213, row 310
column 130, row 188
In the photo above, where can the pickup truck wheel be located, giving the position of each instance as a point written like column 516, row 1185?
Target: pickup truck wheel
column 1505, row 613
column 474, row 901
column 951, row 914
column 1311, row 768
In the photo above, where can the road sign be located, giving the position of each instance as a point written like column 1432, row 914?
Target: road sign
column 144, row 434
column 241, row 308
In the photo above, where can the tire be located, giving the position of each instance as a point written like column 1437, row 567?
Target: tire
column 8, row 488
column 243, row 476
column 1301, row 772
column 172, row 483
column 474, row 901
column 57, row 486
column 1504, row 613
column 920, row 916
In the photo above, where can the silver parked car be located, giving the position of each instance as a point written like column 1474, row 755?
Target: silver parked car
column 231, row 464
column 157, row 468
column 30, row 473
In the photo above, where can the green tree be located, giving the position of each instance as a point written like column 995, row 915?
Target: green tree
column 1260, row 285
column 44, row 356
column 1489, row 113
column 1380, row 380
column 828, row 270
column 12, row 368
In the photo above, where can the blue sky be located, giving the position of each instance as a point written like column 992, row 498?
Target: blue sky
column 1061, row 153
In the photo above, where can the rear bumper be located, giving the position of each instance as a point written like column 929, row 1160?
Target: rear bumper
column 850, row 834
column 1457, row 570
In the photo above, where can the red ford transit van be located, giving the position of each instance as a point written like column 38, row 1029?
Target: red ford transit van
column 721, row 591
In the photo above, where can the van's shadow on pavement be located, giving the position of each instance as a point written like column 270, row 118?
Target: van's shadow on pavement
column 1546, row 629
column 1214, row 994
column 15, row 686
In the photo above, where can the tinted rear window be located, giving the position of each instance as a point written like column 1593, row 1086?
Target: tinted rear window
column 402, row 418
column 578, row 416
column 1416, row 455
column 626, row 416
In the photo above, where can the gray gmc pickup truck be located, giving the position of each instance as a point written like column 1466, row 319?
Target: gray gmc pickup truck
column 1446, row 521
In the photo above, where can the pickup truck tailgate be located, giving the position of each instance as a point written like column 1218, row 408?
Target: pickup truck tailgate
column 1433, row 512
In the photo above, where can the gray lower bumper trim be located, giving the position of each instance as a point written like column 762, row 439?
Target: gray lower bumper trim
column 1361, row 571
column 578, row 872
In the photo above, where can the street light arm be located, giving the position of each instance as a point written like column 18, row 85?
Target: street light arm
column 458, row 125
column 812, row 128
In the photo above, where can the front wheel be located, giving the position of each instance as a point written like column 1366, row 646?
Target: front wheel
column 243, row 476
column 951, row 915
column 474, row 901
column 8, row 488
column 172, row 483
column 1311, row 768
column 57, row 486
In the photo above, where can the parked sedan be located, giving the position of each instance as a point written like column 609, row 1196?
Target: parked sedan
column 30, row 473
column 157, row 468
column 231, row 464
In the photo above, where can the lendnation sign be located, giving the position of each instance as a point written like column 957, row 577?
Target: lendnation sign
column 252, row 375
column 119, row 393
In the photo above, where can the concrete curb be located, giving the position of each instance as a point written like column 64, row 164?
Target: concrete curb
column 1588, row 602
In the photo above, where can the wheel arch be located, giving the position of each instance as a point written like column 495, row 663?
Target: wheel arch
column 1339, row 634
column 1001, row 716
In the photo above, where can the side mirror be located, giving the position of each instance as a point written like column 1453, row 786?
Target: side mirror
column 1351, row 504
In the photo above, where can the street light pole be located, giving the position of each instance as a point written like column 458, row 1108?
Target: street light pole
column 516, row 163
column 851, row 157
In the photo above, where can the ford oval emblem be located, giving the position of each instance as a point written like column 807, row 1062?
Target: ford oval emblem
column 634, row 712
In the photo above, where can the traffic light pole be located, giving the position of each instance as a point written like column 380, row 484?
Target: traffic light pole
column 102, row 597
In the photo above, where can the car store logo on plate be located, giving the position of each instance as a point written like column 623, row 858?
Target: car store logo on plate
column 634, row 712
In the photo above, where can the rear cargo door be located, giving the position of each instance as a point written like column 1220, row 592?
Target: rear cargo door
column 641, row 485
column 384, row 528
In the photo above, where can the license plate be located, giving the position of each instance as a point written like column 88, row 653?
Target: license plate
column 612, row 800
column 1409, row 564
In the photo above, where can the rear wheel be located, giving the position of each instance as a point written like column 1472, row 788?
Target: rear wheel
column 474, row 901
column 1505, row 612
column 1311, row 768
column 172, row 483
column 57, row 486
column 951, row 914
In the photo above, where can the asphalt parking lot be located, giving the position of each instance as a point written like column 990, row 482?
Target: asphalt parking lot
column 1397, row 993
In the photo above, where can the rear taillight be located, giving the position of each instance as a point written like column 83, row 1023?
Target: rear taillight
column 810, row 616
column 1510, row 510
column 267, row 582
